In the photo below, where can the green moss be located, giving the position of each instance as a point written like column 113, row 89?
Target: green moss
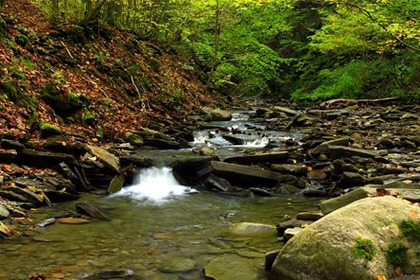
column 7, row 43
column 49, row 129
column 410, row 229
column 33, row 119
column 364, row 248
column 88, row 118
column 397, row 254
column 22, row 40
column 2, row 26
column 100, row 132
column 27, row 63
column 12, row 92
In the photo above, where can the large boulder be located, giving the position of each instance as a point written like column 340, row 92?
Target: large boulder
column 327, row 248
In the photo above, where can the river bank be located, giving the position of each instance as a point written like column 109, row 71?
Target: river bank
column 265, row 151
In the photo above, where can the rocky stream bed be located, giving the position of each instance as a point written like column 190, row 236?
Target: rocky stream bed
column 332, row 155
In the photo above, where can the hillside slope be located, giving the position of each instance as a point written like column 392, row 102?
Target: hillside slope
column 88, row 84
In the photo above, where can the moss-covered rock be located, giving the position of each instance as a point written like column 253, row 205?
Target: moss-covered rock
column 22, row 40
column 133, row 139
column 12, row 92
column 49, row 129
column 325, row 249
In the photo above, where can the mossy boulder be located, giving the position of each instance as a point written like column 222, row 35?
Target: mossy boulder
column 216, row 114
column 133, row 139
column 22, row 40
column 49, row 129
column 12, row 92
column 330, row 247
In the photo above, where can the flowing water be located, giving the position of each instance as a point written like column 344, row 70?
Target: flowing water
column 157, row 228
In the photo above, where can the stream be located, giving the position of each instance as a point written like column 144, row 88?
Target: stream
column 157, row 228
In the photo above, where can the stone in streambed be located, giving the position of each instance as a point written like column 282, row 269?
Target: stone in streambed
column 293, row 223
column 330, row 205
column 290, row 232
column 309, row 216
column 4, row 213
column 73, row 221
column 253, row 230
column 231, row 267
column 90, row 210
column 323, row 147
column 323, row 249
column 177, row 264
column 296, row 169
column 116, row 184
column 270, row 258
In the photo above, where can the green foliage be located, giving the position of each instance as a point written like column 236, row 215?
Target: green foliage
column 410, row 229
column 397, row 254
column 364, row 248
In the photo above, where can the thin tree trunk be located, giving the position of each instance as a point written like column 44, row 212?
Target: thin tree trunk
column 216, row 42
column 93, row 15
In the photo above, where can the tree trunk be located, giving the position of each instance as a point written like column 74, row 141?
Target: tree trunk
column 216, row 42
column 93, row 15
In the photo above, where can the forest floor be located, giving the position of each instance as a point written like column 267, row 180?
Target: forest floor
column 87, row 84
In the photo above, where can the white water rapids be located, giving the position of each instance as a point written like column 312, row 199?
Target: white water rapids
column 154, row 185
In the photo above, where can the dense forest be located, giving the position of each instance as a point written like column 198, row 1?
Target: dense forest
column 298, row 49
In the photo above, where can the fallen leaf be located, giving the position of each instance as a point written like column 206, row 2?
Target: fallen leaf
column 381, row 277
column 398, row 271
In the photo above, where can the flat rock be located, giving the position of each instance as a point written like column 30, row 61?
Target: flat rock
column 110, row 160
column 231, row 267
column 296, row 169
column 337, row 152
column 248, row 175
column 323, row 147
column 90, row 210
column 253, row 230
column 7, row 155
column 290, row 232
column 330, row 205
column 309, row 216
column 177, row 264
column 116, row 184
column 263, row 157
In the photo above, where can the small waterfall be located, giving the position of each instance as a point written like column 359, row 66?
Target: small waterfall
column 155, row 185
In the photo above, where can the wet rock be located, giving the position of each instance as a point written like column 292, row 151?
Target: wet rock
column 315, row 193
column 248, row 176
column 263, row 157
column 293, row 223
column 295, row 169
column 253, row 230
column 323, row 147
column 177, row 264
column 260, row 192
column 137, row 159
column 116, row 184
column 45, row 223
column 290, row 232
column 323, row 249
column 74, row 176
column 286, row 110
column 60, row 196
column 214, row 182
column 269, row 259
column 90, row 210
column 309, row 216
column 111, row 274
column 110, row 160
column 231, row 267
column 220, row 115
column 4, row 213
column 330, row 205
column 350, row 179
column 163, row 144
column 206, row 151
column 288, row 189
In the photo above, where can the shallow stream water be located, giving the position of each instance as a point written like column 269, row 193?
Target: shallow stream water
column 158, row 229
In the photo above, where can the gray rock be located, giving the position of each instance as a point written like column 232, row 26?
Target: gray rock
column 269, row 259
column 231, row 267
column 116, row 184
column 8, row 155
column 323, row 249
column 177, row 264
column 283, row 226
column 337, row 152
column 323, row 147
column 296, row 169
column 220, row 115
column 330, row 205
column 4, row 213
column 263, row 157
column 253, row 230
column 110, row 160
column 309, row 216
column 290, row 232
